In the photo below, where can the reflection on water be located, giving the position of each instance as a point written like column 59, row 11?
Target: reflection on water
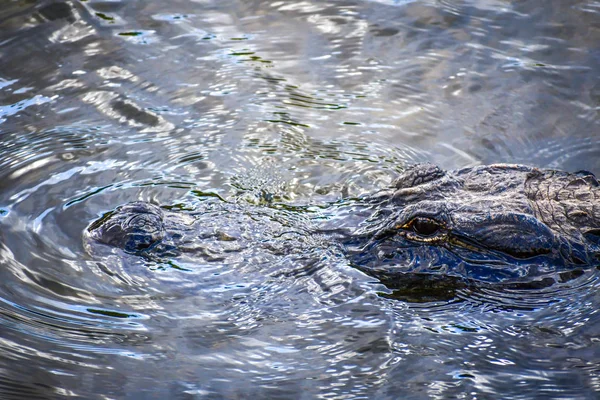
column 293, row 104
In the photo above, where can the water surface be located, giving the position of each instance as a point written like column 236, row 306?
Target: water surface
column 293, row 105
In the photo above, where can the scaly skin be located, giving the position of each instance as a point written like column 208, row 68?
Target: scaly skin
column 497, row 223
column 493, row 224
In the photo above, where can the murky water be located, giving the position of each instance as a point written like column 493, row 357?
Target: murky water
column 309, row 102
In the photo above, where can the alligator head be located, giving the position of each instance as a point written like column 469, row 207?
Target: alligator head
column 496, row 223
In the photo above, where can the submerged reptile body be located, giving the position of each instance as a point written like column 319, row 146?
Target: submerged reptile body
column 492, row 224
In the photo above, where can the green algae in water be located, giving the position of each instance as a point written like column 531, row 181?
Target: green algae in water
column 281, row 121
column 105, row 17
column 109, row 313
column 134, row 33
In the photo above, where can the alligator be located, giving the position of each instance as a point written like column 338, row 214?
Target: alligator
column 494, row 224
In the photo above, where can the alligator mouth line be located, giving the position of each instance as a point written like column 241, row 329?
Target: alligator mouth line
column 448, row 241
column 472, row 245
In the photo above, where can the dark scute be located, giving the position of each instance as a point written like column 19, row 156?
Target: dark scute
column 586, row 177
column 417, row 175
column 593, row 235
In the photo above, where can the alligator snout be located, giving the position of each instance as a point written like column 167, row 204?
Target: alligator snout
column 134, row 227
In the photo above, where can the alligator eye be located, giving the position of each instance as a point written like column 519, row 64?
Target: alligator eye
column 424, row 226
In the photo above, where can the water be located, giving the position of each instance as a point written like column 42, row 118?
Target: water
column 307, row 103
